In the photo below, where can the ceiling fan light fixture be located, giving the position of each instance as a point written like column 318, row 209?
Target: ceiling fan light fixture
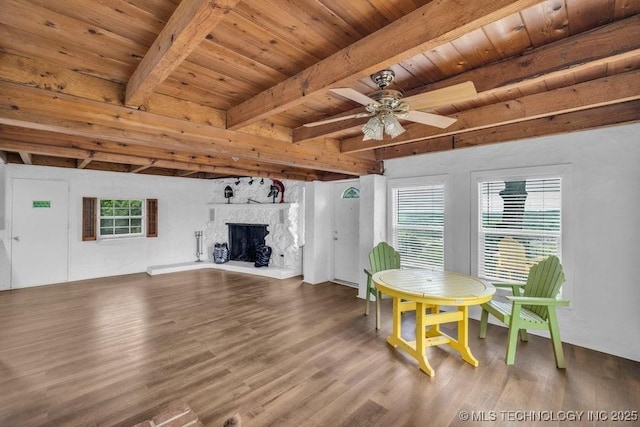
column 392, row 126
column 373, row 129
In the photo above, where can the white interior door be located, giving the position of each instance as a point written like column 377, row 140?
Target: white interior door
column 40, row 232
column 346, row 234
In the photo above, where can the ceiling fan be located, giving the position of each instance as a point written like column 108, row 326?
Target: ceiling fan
column 385, row 106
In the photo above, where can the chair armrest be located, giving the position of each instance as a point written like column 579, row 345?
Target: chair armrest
column 539, row 301
column 516, row 288
column 508, row 285
column 368, row 273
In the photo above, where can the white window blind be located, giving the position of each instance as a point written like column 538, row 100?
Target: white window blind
column 519, row 224
column 418, row 226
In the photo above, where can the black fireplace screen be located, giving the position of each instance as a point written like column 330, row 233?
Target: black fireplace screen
column 244, row 239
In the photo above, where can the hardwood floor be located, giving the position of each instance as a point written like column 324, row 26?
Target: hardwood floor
column 115, row 351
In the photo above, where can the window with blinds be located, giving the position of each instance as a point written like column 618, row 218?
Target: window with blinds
column 519, row 224
column 418, row 226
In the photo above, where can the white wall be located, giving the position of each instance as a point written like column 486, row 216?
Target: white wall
column 604, row 242
column 373, row 222
column 317, row 256
column 181, row 211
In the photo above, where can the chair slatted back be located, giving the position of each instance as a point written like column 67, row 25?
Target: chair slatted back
column 383, row 257
column 544, row 280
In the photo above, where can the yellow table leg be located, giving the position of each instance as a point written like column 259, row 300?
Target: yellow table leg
column 420, row 340
column 396, row 333
column 433, row 336
column 462, row 345
column 434, row 330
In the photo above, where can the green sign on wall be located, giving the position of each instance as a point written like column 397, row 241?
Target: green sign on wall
column 42, row 203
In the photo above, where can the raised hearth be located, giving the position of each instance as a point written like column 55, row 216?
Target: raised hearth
column 235, row 266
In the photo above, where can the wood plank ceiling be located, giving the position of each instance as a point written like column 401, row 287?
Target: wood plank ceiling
column 216, row 88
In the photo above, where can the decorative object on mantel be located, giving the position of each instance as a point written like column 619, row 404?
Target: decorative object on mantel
column 220, row 253
column 199, row 251
column 228, row 193
column 263, row 255
column 276, row 187
column 273, row 193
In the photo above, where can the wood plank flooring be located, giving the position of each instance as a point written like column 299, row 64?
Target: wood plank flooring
column 115, row 351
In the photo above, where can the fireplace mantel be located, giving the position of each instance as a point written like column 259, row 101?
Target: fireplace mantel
column 268, row 206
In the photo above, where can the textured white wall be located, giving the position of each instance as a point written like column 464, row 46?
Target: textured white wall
column 181, row 211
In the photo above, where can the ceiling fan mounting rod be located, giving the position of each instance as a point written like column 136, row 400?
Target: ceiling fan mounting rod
column 383, row 78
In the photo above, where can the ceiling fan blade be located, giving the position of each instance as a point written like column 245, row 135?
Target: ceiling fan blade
column 429, row 119
column 337, row 119
column 449, row 95
column 354, row 95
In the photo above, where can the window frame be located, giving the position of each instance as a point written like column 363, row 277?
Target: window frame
column 413, row 182
column 562, row 171
column 142, row 217
column 351, row 193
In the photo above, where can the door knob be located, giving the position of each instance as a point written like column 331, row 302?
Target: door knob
column 16, row 238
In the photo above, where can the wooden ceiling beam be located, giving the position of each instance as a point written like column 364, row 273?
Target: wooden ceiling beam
column 185, row 30
column 44, row 75
column 148, row 150
column 561, row 58
column 142, row 162
column 3, row 157
column 429, row 26
column 40, row 109
column 604, row 91
column 609, row 115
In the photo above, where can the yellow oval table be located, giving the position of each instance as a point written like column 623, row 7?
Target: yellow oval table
column 422, row 290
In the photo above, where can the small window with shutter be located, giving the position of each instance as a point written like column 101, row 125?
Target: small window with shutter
column 116, row 218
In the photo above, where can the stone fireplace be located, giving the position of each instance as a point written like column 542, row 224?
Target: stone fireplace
column 280, row 220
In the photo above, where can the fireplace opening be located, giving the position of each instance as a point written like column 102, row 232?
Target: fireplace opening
column 244, row 239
